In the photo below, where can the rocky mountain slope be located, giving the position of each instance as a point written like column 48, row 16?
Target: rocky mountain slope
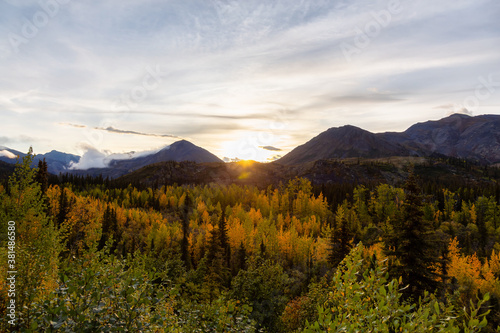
column 460, row 136
column 56, row 161
column 179, row 151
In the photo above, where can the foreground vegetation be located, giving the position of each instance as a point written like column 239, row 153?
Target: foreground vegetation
column 239, row 259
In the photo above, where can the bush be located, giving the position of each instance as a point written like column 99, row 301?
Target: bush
column 365, row 300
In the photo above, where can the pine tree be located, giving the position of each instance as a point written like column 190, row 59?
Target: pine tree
column 64, row 208
column 411, row 245
column 242, row 257
column 185, row 233
column 218, row 275
column 223, row 239
column 340, row 240
column 263, row 249
column 42, row 176
column 109, row 228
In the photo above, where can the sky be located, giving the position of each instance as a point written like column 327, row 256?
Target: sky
column 243, row 79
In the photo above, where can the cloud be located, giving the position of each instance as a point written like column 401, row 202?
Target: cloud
column 224, row 62
column 115, row 130
column 132, row 154
column 73, row 125
column 4, row 140
column 18, row 139
column 92, row 158
column 274, row 158
column 230, row 160
column 455, row 108
column 8, row 154
column 271, row 148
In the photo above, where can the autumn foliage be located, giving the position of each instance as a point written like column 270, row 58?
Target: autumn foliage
column 217, row 258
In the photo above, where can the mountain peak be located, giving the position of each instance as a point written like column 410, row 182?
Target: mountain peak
column 458, row 135
column 458, row 115
column 345, row 128
column 342, row 142
column 182, row 143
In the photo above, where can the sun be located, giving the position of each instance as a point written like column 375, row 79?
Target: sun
column 245, row 150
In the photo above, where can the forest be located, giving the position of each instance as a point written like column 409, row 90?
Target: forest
column 296, row 257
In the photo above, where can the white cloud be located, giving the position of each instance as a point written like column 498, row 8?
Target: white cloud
column 237, row 58
column 8, row 154
column 92, row 158
column 454, row 108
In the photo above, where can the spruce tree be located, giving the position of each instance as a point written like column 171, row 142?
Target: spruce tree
column 411, row 245
column 223, row 239
column 63, row 208
column 242, row 257
column 108, row 226
column 340, row 240
column 218, row 275
column 42, row 176
column 185, row 233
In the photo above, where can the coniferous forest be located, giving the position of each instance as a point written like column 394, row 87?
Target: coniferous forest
column 296, row 257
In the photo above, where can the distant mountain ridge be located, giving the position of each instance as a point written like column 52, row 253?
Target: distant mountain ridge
column 180, row 151
column 58, row 162
column 458, row 136
column 342, row 142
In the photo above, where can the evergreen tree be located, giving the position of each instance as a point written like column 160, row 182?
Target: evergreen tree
column 64, row 207
column 411, row 245
column 263, row 249
column 218, row 275
column 340, row 240
column 185, row 232
column 109, row 227
column 241, row 257
column 223, row 239
column 42, row 176
column 218, row 255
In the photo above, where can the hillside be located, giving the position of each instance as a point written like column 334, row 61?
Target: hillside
column 180, row 151
column 458, row 136
column 343, row 142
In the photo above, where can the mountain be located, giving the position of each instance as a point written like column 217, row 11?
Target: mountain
column 9, row 155
column 343, row 142
column 56, row 161
column 458, row 135
column 179, row 151
column 6, row 169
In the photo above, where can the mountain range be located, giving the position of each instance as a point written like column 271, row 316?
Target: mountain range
column 179, row 151
column 58, row 162
column 460, row 136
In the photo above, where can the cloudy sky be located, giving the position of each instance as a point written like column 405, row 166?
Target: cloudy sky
column 249, row 79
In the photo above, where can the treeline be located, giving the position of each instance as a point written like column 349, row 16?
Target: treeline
column 234, row 258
